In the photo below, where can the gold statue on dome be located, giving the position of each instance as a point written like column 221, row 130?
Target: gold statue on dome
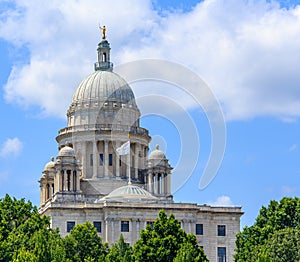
column 103, row 28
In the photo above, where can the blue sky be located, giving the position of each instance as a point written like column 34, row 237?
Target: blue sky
column 247, row 52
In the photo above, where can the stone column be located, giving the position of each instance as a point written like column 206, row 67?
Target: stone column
column 128, row 171
column 117, row 163
column 106, row 158
column 163, row 190
column 138, row 229
column 190, row 226
column 106, row 230
column 130, row 233
column 133, row 230
column 169, row 184
column 71, row 181
column 95, row 159
column 78, row 180
column 66, row 180
column 83, row 159
column 112, row 226
column 136, row 159
column 41, row 195
column 150, row 182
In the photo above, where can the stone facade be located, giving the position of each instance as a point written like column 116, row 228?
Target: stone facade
column 120, row 193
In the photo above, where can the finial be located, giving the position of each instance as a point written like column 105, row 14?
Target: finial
column 157, row 147
column 103, row 28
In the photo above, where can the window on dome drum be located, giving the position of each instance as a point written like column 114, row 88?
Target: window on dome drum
column 101, row 158
column 97, row 225
column 120, row 161
column 199, row 229
column 124, row 226
column 110, row 159
column 150, row 223
column 91, row 159
column 221, row 230
column 70, row 225
column 221, row 254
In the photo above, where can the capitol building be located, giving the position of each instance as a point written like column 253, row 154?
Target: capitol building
column 105, row 174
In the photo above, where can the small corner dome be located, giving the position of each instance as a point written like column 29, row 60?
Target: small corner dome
column 157, row 154
column 50, row 165
column 129, row 193
column 66, row 151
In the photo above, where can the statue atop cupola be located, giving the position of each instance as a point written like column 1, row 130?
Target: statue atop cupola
column 103, row 50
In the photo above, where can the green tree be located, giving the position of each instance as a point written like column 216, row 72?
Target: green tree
column 164, row 240
column 83, row 243
column 120, row 252
column 284, row 245
column 23, row 255
column 254, row 243
column 190, row 251
column 19, row 220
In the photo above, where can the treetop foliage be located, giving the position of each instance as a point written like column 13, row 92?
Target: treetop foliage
column 275, row 234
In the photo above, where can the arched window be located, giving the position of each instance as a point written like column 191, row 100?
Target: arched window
column 104, row 57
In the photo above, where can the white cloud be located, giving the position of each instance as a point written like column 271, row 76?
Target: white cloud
column 247, row 51
column 11, row 147
column 222, row 201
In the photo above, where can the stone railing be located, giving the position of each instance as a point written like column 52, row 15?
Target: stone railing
column 105, row 128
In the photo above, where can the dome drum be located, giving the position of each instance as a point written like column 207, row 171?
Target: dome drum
column 98, row 129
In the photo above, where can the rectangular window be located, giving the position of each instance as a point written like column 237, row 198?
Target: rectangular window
column 221, row 254
column 110, row 159
column 97, row 225
column 132, row 161
column 150, row 223
column 91, row 159
column 120, row 161
column 221, row 230
column 101, row 158
column 199, row 229
column 70, row 225
column 124, row 226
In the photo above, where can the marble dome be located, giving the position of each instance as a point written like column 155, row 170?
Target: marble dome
column 104, row 86
column 157, row 154
column 66, row 151
column 129, row 193
column 50, row 165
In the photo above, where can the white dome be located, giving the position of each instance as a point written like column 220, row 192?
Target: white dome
column 129, row 193
column 66, row 151
column 50, row 165
column 104, row 86
column 157, row 154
